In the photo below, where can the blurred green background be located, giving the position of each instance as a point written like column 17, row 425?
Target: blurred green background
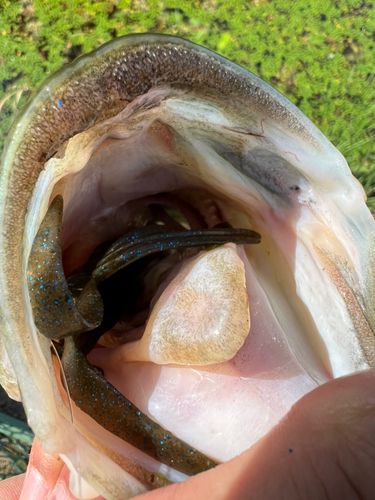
column 320, row 54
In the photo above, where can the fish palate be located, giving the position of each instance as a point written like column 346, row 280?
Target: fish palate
column 183, row 256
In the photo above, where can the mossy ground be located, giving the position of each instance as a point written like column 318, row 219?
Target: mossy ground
column 320, row 54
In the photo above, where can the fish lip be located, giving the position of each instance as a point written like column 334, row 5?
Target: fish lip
column 16, row 302
column 296, row 120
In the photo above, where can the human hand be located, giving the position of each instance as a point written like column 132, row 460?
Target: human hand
column 40, row 480
column 324, row 448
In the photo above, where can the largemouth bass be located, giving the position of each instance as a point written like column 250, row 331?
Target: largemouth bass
column 183, row 256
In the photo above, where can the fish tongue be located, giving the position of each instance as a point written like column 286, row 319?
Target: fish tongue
column 192, row 322
column 49, row 478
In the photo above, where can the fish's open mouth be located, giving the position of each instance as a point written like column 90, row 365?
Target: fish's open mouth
column 142, row 201
column 193, row 256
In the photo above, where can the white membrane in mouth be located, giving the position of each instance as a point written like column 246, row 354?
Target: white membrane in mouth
column 202, row 317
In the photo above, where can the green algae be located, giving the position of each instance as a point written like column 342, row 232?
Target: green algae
column 319, row 54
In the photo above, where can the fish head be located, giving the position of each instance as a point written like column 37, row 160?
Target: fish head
column 152, row 141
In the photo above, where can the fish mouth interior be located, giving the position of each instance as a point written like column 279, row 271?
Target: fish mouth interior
column 189, row 159
column 159, row 162
column 175, row 211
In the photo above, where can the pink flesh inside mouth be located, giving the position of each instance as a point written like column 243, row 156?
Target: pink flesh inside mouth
column 256, row 388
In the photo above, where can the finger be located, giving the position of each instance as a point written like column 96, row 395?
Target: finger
column 42, row 474
column 48, row 478
column 323, row 448
column 10, row 489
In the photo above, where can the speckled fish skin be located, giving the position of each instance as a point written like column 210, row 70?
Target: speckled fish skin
column 70, row 102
